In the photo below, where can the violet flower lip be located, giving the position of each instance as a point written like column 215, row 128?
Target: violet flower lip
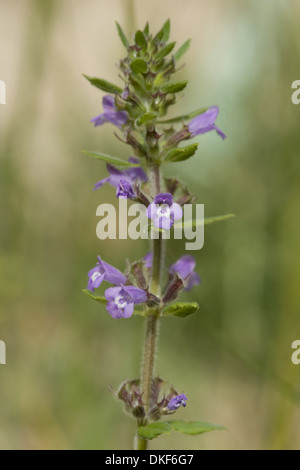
column 131, row 175
column 110, row 114
column 148, row 260
column 125, row 190
column 184, row 268
column 176, row 402
column 205, row 122
column 121, row 300
column 104, row 272
column 163, row 211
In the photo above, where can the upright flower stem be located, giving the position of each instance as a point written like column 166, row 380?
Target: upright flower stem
column 152, row 320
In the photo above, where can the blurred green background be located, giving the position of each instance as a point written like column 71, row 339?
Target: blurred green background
column 233, row 358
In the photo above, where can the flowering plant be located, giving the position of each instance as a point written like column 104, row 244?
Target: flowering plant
column 137, row 109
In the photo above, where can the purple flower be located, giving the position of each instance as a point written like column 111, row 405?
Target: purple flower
column 125, row 190
column 148, row 260
column 164, row 211
column 176, row 402
column 110, row 114
column 121, row 300
column 130, row 176
column 184, row 268
column 205, row 122
column 104, row 272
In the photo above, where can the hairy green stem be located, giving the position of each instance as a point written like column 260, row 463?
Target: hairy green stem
column 140, row 444
column 152, row 320
column 149, row 359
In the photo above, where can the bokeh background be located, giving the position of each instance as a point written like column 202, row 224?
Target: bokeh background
column 233, row 358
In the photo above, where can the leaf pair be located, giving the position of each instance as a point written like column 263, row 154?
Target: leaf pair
column 163, row 35
column 177, row 309
column 192, row 428
column 206, row 221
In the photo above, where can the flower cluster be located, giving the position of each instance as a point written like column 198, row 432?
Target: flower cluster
column 122, row 298
column 123, row 180
column 165, row 399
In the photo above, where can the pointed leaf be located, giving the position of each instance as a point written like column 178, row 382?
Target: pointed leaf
column 181, row 309
column 146, row 30
column 102, row 300
column 174, row 87
column 103, row 85
column 139, row 66
column 182, row 50
column 195, row 223
column 194, row 427
column 206, row 221
column 153, row 430
column 166, row 30
column 109, row 159
column 181, row 154
column 122, row 35
column 165, row 51
column 217, row 218
column 184, row 117
column 140, row 39
column 164, row 33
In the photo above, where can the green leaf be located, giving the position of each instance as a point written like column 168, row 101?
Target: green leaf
column 146, row 29
column 139, row 66
column 102, row 300
column 217, row 218
column 165, row 51
column 181, row 154
column 182, row 50
column 164, row 33
column 140, row 39
column 193, row 223
column 207, row 221
column 153, row 430
column 184, row 117
column 109, row 159
column 174, row 87
column 103, row 85
column 181, row 309
column 122, row 35
column 147, row 117
column 194, row 427
column 166, row 30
